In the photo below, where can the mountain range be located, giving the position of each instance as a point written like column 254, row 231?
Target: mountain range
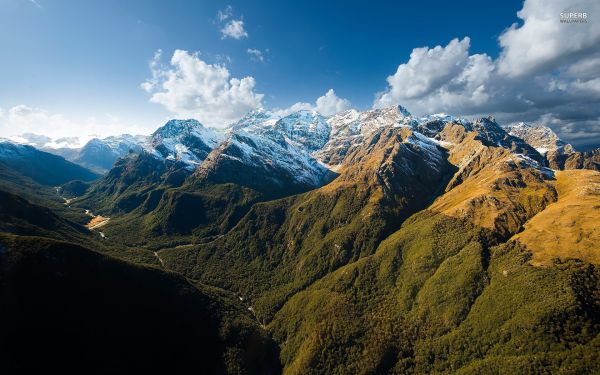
column 363, row 242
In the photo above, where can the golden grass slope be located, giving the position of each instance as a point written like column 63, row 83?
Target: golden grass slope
column 570, row 227
column 493, row 188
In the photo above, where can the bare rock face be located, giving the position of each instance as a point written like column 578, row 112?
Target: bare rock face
column 493, row 134
column 574, row 160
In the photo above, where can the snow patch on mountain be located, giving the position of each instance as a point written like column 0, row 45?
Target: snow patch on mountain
column 430, row 149
column 350, row 128
column 279, row 153
column 186, row 141
column 445, row 118
column 306, row 128
column 540, row 137
column 255, row 118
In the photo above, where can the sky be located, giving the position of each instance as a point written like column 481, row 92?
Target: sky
column 81, row 68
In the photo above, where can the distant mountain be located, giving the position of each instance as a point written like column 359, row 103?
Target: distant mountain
column 259, row 117
column 101, row 154
column 306, row 128
column 542, row 138
column 350, row 128
column 493, row 134
column 42, row 167
column 257, row 160
column 167, row 158
column 558, row 154
column 97, row 154
column 260, row 157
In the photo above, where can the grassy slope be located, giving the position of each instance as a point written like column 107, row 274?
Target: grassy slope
column 50, row 218
column 572, row 220
column 174, row 216
column 153, row 205
column 492, row 188
column 439, row 296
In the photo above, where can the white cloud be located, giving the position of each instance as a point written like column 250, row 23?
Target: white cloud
column 330, row 104
column 190, row 87
column 225, row 13
column 299, row 106
column 327, row 105
column 234, row 29
column 429, row 68
column 545, row 68
column 154, row 64
column 256, row 54
column 25, row 117
column 439, row 78
column 543, row 42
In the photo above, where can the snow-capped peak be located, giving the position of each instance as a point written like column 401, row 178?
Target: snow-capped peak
column 540, row 137
column 443, row 117
column 181, row 129
column 255, row 118
column 187, row 141
column 307, row 128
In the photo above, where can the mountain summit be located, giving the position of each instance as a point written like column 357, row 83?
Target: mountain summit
column 186, row 141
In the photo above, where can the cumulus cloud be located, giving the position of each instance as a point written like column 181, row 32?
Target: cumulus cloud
column 256, row 54
column 545, row 68
column 440, row 78
column 429, row 68
column 190, row 87
column 327, row 105
column 234, row 29
column 22, row 119
column 542, row 42
column 330, row 104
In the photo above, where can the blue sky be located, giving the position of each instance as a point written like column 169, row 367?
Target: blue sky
column 87, row 59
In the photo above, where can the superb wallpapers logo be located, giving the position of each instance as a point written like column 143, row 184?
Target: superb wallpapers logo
column 573, row 17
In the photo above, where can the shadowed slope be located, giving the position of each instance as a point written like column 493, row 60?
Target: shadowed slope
column 76, row 311
column 68, row 308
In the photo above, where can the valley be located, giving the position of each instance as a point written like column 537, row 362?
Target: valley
column 363, row 242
